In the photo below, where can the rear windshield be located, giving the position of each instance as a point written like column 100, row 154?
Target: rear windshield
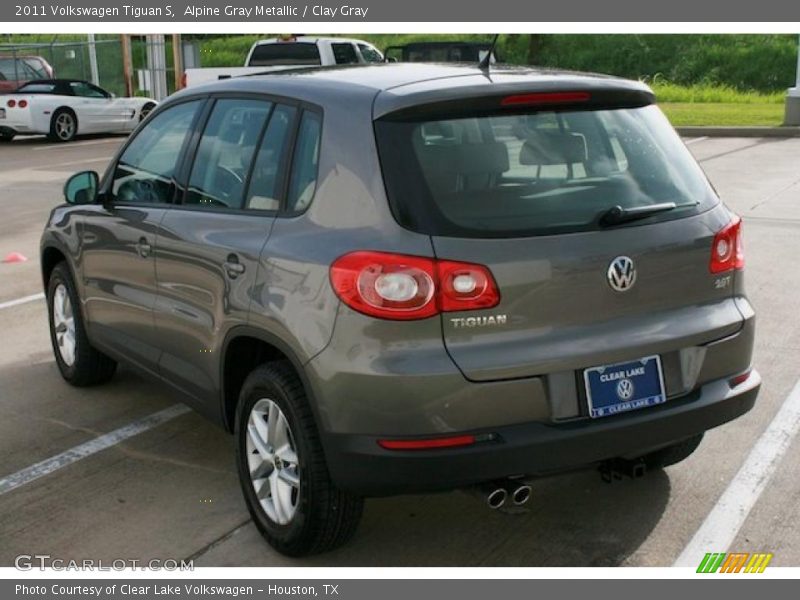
column 285, row 53
column 536, row 173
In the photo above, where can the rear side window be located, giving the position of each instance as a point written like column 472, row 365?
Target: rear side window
column 265, row 184
column 537, row 173
column 344, row 54
column 285, row 53
column 226, row 149
column 303, row 182
column 145, row 170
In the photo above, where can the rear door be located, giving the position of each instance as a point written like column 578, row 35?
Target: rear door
column 120, row 235
column 208, row 255
column 528, row 195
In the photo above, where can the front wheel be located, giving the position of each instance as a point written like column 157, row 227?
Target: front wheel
column 78, row 361
column 282, row 469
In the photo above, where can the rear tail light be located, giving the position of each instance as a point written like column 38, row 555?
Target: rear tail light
column 727, row 251
column 541, row 98
column 401, row 287
column 11, row 103
column 183, row 80
column 23, row 103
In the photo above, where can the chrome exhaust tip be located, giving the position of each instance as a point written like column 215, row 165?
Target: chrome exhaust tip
column 521, row 494
column 496, row 498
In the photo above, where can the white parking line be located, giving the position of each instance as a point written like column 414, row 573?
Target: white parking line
column 23, row 300
column 695, row 140
column 723, row 523
column 73, row 455
column 118, row 140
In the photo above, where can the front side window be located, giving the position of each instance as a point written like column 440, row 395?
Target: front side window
column 370, row 54
column 225, row 152
column 145, row 171
column 305, row 164
column 536, row 173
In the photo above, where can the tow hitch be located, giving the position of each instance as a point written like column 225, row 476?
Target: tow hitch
column 617, row 468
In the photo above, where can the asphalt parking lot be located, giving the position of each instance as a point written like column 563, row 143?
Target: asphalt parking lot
column 172, row 491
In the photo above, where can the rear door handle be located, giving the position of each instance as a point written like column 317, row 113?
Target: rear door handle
column 143, row 248
column 233, row 267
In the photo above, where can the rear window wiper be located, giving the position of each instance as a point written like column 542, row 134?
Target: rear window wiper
column 616, row 215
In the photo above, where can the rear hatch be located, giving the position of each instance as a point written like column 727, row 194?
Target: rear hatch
column 594, row 219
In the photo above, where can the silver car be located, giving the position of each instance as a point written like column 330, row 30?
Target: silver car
column 410, row 278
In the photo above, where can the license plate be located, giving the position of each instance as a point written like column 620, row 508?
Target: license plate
column 2, row 113
column 612, row 389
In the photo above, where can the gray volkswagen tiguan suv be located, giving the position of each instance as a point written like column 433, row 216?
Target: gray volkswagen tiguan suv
column 410, row 278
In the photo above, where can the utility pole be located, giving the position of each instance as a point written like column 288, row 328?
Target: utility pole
column 93, row 60
column 792, row 115
column 177, row 60
column 127, row 64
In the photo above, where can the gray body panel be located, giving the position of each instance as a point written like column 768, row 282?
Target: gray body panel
column 176, row 311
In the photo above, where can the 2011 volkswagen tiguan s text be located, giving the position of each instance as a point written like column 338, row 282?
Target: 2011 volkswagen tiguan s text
column 410, row 278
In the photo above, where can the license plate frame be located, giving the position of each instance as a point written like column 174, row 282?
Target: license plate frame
column 644, row 387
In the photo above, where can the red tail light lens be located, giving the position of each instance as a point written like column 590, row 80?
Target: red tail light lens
column 11, row 103
column 428, row 444
column 401, row 287
column 23, row 103
column 545, row 98
column 727, row 251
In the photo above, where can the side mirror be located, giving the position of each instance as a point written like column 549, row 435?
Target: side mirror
column 81, row 188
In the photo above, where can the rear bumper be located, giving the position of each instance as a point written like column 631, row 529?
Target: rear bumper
column 357, row 464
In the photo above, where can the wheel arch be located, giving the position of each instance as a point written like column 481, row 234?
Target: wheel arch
column 244, row 349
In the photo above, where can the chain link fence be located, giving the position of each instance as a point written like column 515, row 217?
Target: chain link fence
column 152, row 71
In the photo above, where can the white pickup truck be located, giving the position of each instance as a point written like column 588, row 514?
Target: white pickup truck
column 276, row 54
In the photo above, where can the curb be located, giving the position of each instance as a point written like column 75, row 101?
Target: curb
column 781, row 132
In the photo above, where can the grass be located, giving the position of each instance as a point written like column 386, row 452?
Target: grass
column 723, row 114
column 718, row 105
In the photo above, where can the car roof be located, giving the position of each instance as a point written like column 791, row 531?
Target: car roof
column 308, row 39
column 393, row 86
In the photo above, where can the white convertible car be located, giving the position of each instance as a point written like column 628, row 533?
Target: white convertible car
column 64, row 108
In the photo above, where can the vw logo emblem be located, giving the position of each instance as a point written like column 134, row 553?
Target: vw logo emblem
column 621, row 274
column 625, row 389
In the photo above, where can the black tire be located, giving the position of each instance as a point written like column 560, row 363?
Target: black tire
column 90, row 366
column 672, row 455
column 7, row 136
column 146, row 110
column 58, row 134
column 325, row 517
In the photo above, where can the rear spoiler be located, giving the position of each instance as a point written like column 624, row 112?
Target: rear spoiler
column 502, row 98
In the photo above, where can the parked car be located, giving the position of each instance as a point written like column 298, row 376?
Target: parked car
column 289, row 52
column 450, row 51
column 15, row 70
column 65, row 108
column 410, row 278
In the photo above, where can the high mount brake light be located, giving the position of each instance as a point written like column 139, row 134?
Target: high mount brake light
column 544, row 98
column 727, row 251
column 402, row 287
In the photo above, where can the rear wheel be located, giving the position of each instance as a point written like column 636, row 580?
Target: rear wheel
column 672, row 455
column 80, row 364
column 282, row 469
column 146, row 110
column 63, row 126
column 7, row 136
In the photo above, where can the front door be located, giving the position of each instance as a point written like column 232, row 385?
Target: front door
column 119, row 237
